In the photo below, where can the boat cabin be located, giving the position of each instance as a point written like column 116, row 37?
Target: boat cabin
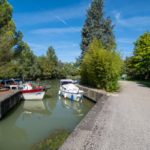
column 66, row 81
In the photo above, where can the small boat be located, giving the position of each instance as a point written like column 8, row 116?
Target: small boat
column 10, row 84
column 69, row 90
column 30, row 93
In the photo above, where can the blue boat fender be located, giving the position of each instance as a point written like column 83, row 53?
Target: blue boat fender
column 72, row 98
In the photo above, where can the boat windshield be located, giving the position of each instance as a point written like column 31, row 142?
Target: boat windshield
column 63, row 82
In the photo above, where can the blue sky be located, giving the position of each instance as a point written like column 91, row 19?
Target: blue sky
column 58, row 24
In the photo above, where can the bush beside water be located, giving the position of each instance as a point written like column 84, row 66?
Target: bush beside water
column 101, row 68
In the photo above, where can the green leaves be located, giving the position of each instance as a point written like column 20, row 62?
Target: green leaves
column 7, row 32
column 49, row 63
column 100, row 68
column 5, row 13
column 138, row 66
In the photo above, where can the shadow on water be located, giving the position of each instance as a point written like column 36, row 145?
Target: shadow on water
column 11, row 111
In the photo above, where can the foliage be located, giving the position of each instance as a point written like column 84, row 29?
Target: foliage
column 49, row 63
column 17, row 59
column 28, row 65
column 96, row 26
column 9, row 70
column 7, row 32
column 65, row 70
column 138, row 66
column 70, row 69
column 100, row 68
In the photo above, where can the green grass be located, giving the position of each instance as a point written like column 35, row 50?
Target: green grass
column 53, row 142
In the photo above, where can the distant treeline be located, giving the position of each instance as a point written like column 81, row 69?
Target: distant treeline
column 17, row 59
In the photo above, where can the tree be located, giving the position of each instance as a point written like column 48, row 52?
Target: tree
column 49, row 63
column 9, row 70
column 138, row 66
column 100, row 68
column 96, row 26
column 8, row 41
column 19, row 47
column 51, row 55
column 36, row 70
column 7, row 32
column 28, row 65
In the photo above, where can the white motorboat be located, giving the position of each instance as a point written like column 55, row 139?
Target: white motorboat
column 30, row 93
column 69, row 90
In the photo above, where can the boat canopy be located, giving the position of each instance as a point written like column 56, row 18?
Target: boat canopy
column 71, row 87
column 66, row 81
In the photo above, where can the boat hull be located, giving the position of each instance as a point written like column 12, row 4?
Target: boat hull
column 33, row 94
column 71, row 96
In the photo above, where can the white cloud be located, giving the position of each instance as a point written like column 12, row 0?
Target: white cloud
column 56, row 30
column 125, row 40
column 62, row 14
column 137, row 21
column 61, row 20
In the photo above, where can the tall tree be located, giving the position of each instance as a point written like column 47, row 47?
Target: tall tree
column 96, row 26
column 7, row 32
column 138, row 66
column 29, row 67
column 49, row 63
column 51, row 55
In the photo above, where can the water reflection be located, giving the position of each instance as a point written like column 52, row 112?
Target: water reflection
column 73, row 105
column 10, row 134
column 35, row 107
column 33, row 121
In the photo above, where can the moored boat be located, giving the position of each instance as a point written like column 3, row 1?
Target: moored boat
column 30, row 93
column 69, row 90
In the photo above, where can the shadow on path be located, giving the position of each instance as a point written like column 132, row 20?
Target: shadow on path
column 144, row 83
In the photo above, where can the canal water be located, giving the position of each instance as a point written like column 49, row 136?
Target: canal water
column 32, row 121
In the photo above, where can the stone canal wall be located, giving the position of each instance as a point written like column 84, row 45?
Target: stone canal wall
column 76, row 139
column 8, row 101
column 92, row 94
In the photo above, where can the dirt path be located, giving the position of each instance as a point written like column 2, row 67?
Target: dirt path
column 122, row 124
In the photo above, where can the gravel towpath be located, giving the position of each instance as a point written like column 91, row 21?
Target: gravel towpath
column 123, row 123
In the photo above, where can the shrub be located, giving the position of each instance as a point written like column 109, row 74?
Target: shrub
column 100, row 68
column 138, row 65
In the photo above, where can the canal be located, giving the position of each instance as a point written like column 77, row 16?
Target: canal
column 32, row 121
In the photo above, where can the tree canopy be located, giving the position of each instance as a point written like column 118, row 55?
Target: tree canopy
column 97, row 26
column 49, row 63
column 138, row 66
column 7, row 32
